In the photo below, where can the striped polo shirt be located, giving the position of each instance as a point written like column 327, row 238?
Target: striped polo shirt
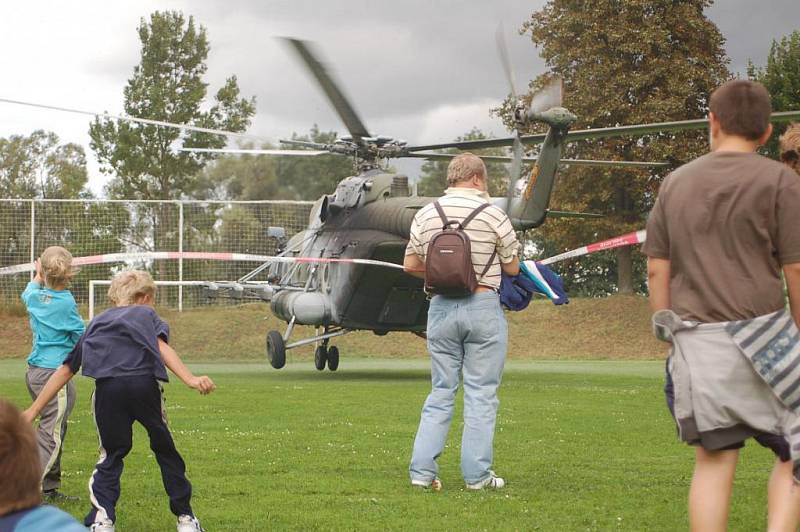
column 490, row 230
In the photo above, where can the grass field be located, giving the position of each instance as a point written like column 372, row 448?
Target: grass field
column 583, row 445
column 611, row 328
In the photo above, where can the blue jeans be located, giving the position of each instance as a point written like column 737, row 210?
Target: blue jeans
column 469, row 336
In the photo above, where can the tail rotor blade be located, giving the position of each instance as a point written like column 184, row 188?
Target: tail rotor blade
column 505, row 61
column 549, row 96
column 516, row 166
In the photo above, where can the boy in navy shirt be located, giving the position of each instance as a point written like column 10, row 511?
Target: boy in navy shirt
column 125, row 350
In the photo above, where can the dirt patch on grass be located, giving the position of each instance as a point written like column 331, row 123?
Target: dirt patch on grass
column 617, row 327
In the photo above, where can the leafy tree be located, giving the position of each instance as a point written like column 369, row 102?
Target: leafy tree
column 166, row 85
column 308, row 178
column 242, row 177
column 433, row 180
column 781, row 77
column 38, row 167
column 624, row 63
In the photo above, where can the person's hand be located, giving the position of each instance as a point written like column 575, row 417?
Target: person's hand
column 37, row 264
column 202, row 384
column 28, row 416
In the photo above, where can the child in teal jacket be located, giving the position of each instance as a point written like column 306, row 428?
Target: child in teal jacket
column 55, row 327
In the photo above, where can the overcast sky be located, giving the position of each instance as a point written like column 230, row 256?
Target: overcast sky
column 418, row 70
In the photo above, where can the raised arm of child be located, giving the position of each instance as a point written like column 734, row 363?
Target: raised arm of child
column 203, row 384
column 56, row 381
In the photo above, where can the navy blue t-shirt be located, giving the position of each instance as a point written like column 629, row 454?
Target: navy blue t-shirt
column 121, row 342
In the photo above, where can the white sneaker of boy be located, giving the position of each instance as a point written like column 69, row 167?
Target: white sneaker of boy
column 491, row 482
column 187, row 523
column 104, row 525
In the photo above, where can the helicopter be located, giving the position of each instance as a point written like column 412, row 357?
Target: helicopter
column 369, row 216
column 344, row 273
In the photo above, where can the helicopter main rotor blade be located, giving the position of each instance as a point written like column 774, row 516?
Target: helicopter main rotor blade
column 147, row 121
column 301, row 153
column 337, row 98
column 303, row 144
column 661, row 127
column 570, row 214
column 603, row 132
column 566, row 162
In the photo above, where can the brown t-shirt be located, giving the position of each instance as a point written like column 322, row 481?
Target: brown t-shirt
column 727, row 222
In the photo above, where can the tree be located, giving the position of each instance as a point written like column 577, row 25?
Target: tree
column 624, row 63
column 308, row 178
column 166, row 85
column 433, row 180
column 38, row 167
column 242, row 177
column 781, row 77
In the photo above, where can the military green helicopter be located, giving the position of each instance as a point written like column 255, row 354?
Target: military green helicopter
column 343, row 272
column 369, row 215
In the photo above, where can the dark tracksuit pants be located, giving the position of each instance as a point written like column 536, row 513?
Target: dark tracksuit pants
column 117, row 403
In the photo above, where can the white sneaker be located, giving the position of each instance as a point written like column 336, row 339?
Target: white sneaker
column 104, row 525
column 491, row 482
column 187, row 523
column 435, row 484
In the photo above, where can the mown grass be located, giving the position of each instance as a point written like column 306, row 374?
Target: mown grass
column 583, row 446
column 611, row 328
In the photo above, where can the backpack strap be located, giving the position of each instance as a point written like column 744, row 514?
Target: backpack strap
column 488, row 265
column 442, row 215
column 467, row 220
column 473, row 214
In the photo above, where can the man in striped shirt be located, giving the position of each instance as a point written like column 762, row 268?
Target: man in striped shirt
column 466, row 335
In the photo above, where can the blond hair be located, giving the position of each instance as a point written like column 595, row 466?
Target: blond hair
column 790, row 147
column 128, row 286
column 56, row 265
column 463, row 167
column 20, row 468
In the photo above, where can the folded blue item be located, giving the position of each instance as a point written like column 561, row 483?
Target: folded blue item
column 547, row 281
column 516, row 291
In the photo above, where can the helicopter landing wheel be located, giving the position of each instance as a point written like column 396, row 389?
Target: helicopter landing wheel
column 320, row 357
column 333, row 358
column 276, row 349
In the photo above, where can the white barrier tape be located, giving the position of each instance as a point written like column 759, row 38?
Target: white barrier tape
column 625, row 240
column 163, row 255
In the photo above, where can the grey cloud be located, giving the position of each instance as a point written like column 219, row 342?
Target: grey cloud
column 750, row 27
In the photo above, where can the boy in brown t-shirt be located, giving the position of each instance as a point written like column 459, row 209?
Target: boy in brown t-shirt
column 722, row 229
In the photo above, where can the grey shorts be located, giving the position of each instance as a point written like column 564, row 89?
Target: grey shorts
column 741, row 433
